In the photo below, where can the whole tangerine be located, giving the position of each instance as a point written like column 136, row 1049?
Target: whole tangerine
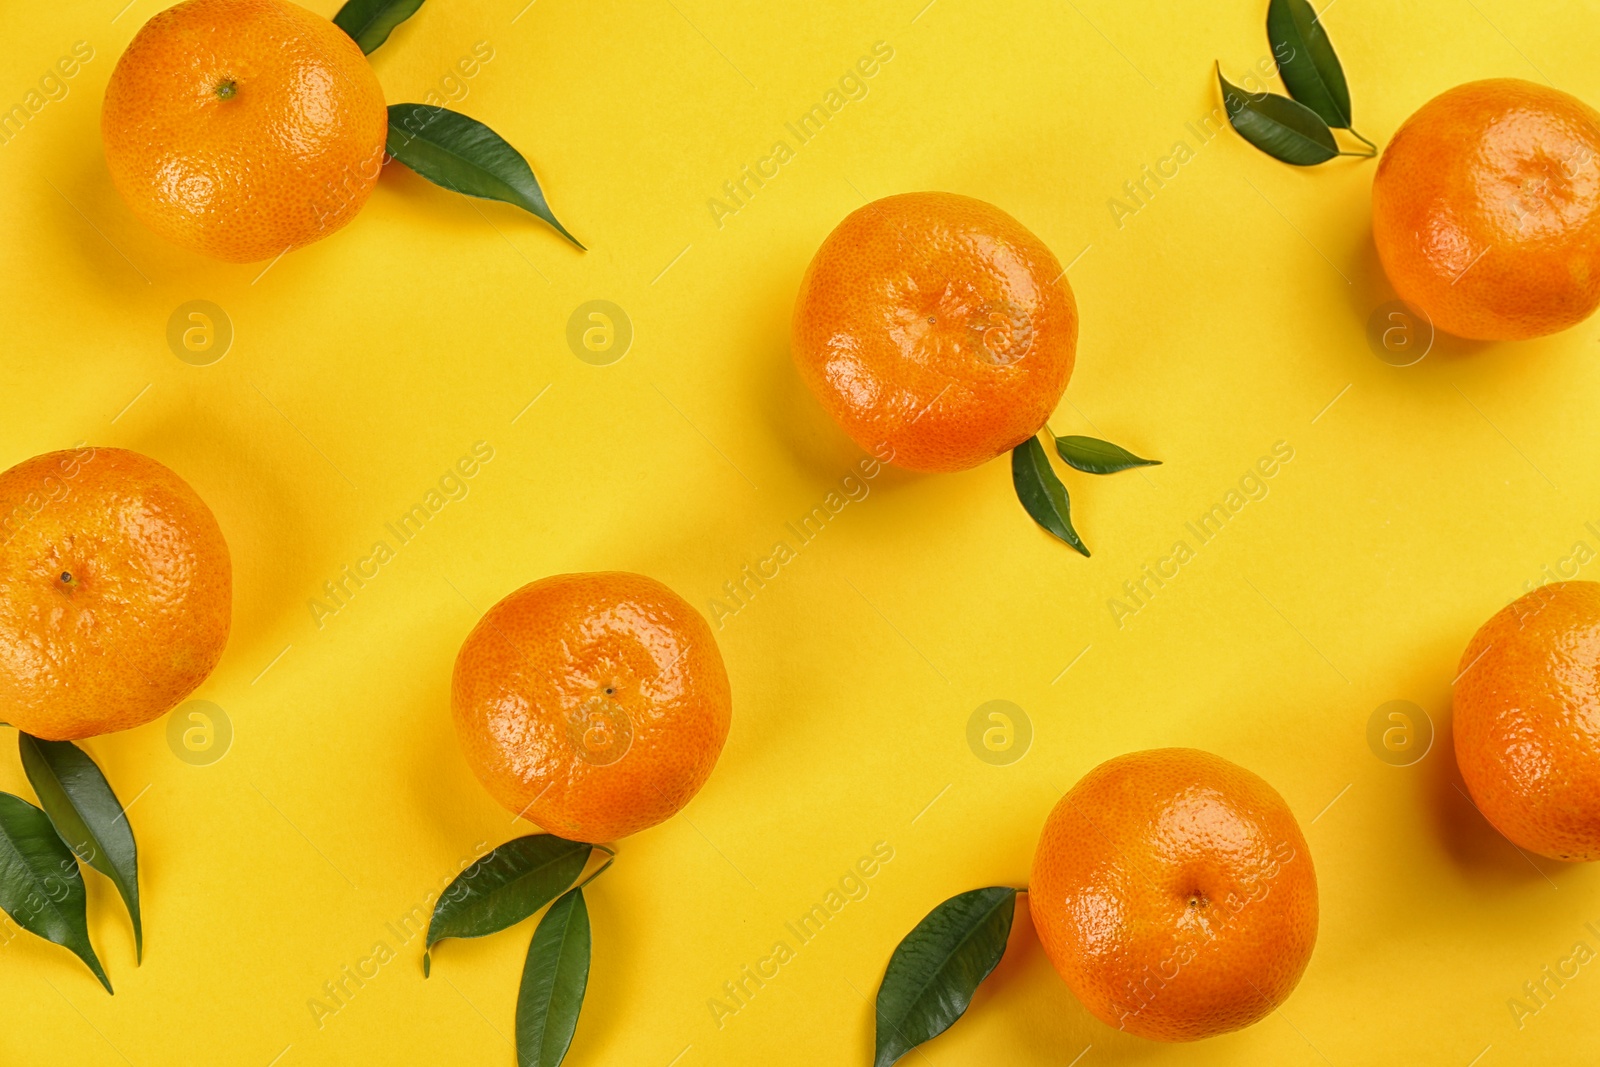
column 242, row 129
column 936, row 330
column 1174, row 893
column 1486, row 210
column 593, row 704
column 1527, row 720
column 116, row 592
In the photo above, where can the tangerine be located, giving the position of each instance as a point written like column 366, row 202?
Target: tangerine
column 1527, row 720
column 116, row 592
column 1486, row 210
column 593, row 704
column 1174, row 893
column 242, row 129
column 936, row 330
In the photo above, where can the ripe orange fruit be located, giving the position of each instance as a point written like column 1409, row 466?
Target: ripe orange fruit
column 936, row 330
column 1527, row 720
column 1486, row 210
column 593, row 704
column 1175, row 894
column 116, row 592
column 243, row 128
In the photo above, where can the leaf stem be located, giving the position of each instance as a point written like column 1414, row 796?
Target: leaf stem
column 611, row 857
column 1362, row 139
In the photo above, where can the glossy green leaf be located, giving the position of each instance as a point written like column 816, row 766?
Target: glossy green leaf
column 40, row 887
column 553, row 982
column 1041, row 492
column 505, row 887
column 1094, row 456
column 1306, row 61
column 1280, row 127
column 370, row 22
column 466, row 156
column 935, row 971
column 86, row 815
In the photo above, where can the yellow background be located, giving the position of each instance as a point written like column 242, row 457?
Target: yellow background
column 1225, row 316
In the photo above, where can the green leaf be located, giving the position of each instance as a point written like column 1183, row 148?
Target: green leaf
column 1306, row 61
column 935, row 971
column 505, row 887
column 466, row 156
column 40, row 886
column 87, row 816
column 1093, row 456
column 1041, row 492
column 370, row 22
column 553, row 981
column 1286, row 131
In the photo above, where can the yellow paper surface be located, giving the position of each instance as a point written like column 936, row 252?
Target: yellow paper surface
column 1223, row 318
